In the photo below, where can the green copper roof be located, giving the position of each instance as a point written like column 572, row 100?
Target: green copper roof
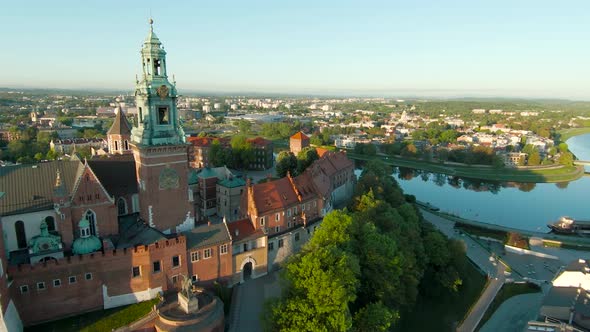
column 84, row 223
column 206, row 173
column 232, row 183
column 86, row 245
column 193, row 177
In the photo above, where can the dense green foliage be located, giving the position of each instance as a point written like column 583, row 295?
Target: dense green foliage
column 239, row 156
column 287, row 162
column 364, row 265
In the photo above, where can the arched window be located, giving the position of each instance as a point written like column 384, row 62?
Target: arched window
column 121, row 206
column 50, row 221
column 21, row 237
column 91, row 216
column 116, row 146
column 126, row 144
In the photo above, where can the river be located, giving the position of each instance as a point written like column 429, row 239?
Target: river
column 523, row 206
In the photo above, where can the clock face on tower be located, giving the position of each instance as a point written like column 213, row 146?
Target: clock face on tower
column 168, row 179
column 163, row 91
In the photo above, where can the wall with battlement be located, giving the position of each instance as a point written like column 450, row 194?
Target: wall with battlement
column 81, row 279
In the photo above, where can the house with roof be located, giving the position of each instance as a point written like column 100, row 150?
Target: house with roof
column 209, row 253
column 249, row 250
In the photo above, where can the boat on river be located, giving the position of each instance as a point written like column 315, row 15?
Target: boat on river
column 567, row 225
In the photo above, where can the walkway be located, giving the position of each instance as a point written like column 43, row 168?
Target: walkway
column 248, row 302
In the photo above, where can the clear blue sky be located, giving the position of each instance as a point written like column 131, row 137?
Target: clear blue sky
column 448, row 48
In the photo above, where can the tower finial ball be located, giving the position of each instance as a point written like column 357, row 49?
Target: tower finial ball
column 151, row 21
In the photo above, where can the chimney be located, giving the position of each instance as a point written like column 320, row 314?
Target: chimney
column 237, row 232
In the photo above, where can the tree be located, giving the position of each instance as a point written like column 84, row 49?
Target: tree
column 409, row 150
column 244, row 126
column 374, row 317
column 566, row 158
column 286, row 163
column 305, row 158
column 534, row 158
column 242, row 152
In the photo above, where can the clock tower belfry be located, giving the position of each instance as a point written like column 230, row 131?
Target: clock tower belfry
column 158, row 144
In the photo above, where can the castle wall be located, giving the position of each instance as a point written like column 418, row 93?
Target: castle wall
column 102, row 280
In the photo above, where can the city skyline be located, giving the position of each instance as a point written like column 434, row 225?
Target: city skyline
column 455, row 49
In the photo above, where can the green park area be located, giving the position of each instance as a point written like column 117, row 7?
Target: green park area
column 558, row 173
column 98, row 321
column 565, row 134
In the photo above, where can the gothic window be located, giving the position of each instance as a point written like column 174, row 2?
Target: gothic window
column 21, row 237
column 163, row 115
column 91, row 216
column 116, row 146
column 50, row 221
column 126, row 145
column 149, row 67
column 121, row 206
column 140, row 115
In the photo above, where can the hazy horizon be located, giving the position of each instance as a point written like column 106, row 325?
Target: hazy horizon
column 526, row 49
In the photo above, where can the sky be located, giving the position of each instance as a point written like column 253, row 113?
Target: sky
column 515, row 48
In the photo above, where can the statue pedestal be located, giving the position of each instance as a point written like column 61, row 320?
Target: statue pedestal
column 188, row 305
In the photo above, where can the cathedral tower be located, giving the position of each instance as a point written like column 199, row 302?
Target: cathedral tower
column 158, row 144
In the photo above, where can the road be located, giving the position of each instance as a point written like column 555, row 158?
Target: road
column 248, row 303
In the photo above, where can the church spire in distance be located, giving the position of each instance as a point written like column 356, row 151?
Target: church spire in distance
column 157, row 116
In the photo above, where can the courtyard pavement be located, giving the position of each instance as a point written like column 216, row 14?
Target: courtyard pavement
column 248, row 302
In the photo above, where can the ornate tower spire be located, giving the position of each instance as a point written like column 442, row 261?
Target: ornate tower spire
column 157, row 117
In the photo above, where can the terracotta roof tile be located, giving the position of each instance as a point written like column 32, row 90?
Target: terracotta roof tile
column 274, row 195
column 244, row 230
column 300, row 136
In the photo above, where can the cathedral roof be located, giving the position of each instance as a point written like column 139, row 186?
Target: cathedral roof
column 116, row 173
column 30, row 188
column 120, row 125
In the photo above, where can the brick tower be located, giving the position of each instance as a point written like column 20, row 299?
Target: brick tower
column 159, row 147
column 119, row 135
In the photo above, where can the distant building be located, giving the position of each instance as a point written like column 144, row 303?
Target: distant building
column 298, row 142
column 478, row 111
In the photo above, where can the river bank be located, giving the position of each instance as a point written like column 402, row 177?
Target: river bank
column 541, row 174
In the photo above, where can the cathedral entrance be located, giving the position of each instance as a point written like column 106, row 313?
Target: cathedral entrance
column 247, row 271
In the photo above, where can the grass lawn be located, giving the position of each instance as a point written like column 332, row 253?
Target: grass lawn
column 98, row 321
column 539, row 175
column 507, row 291
column 566, row 134
column 443, row 313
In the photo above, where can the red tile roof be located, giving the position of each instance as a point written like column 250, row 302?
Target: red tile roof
column 274, row 195
column 243, row 229
column 259, row 141
column 206, row 141
column 300, row 136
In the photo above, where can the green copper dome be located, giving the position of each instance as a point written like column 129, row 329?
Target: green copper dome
column 86, row 245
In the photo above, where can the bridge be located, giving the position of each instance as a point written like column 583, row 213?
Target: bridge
column 582, row 162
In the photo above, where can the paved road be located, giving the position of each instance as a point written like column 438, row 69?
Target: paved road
column 514, row 313
column 249, row 301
